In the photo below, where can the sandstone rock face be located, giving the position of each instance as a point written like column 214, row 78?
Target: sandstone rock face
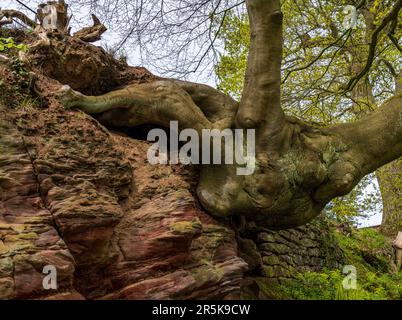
column 91, row 70
column 115, row 227
column 28, row 237
column 83, row 199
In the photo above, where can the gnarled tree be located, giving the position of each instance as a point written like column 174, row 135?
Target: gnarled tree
column 313, row 86
column 300, row 167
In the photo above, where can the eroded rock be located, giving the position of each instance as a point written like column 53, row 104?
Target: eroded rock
column 88, row 202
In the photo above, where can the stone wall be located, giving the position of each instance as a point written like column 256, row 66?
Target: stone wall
column 278, row 256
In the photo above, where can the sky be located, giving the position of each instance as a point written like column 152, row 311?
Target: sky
column 82, row 18
column 109, row 38
column 374, row 220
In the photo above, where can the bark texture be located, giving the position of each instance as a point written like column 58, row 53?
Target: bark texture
column 390, row 181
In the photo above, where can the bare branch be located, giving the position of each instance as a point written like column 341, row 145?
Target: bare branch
column 91, row 34
column 391, row 35
column 173, row 37
column 10, row 14
column 332, row 44
column 392, row 15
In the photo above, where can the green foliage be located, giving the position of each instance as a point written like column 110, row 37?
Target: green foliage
column 362, row 202
column 19, row 68
column 319, row 58
column 317, row 286
column 15, row 85
column 327, row 285
column 232, row 66
column 391, row 191
column 8, row 44
column 369, row 252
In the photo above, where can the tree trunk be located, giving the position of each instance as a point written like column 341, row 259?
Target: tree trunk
column 53, row 16
column 389, row 177
column 390, row 181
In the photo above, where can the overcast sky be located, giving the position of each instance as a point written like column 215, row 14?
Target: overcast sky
column 82, row 18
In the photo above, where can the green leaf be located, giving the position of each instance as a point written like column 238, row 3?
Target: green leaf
column 22, row 47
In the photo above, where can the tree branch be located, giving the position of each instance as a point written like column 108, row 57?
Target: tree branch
column 398, row 83
column 332, row 44
column 392, row 16
column 260, row 102
column 376, row 139
column 158, row 102
column 391, row 35
column 10, row 14
column 214, row 104
column 93, row 33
